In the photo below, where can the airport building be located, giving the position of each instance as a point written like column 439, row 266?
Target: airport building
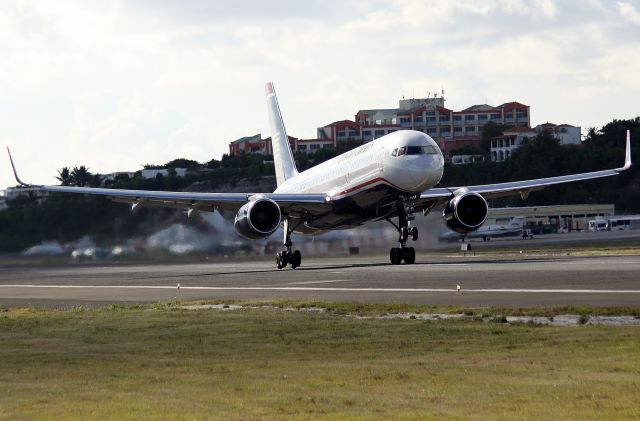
column 563, row 217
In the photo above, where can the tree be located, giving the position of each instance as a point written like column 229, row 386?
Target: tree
column 182, row 163
column 64, row 176
column 81, row 177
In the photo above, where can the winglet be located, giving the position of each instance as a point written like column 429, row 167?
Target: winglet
column 15, row 173
column 627, row 155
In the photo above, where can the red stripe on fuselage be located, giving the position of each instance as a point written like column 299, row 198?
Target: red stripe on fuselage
column 367, row 183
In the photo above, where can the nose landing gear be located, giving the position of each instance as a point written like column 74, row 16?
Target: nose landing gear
column 408, row 254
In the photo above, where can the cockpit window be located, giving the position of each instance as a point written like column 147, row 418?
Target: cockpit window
column 415, row 150
column 429, row 150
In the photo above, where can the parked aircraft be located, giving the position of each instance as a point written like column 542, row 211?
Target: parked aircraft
column 390, row 178
column 486, row 232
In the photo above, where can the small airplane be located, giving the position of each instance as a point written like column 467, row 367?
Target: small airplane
column 486, row 232
column 389, row 178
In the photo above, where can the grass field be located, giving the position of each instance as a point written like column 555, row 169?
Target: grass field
column 163, row 362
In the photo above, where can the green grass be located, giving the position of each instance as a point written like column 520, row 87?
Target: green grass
column 161, row 362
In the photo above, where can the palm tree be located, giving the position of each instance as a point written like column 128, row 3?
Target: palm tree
column 81, row 176
column 64, row 176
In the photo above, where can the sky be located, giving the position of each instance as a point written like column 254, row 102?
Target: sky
column 119, row 84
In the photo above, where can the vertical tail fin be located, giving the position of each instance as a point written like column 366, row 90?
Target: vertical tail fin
column 282, row 156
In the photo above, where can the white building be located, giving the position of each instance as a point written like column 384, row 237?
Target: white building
column 565, row 133
column 503, row 146
column 153, row 173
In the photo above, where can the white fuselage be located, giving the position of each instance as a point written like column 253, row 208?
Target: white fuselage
column 373, row 167
column 370, row 164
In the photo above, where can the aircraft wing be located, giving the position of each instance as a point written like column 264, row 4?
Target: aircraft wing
column 437, row 196
column 289, row 203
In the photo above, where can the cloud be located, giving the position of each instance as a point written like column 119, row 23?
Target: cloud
column 119, row 84
column 629, row 12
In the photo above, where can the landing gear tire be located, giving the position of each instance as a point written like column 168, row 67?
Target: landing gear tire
column 414, row 233
column 395, row 255
column 296, row 259
column 285, row 258
column 279, row 263
column 409, row 255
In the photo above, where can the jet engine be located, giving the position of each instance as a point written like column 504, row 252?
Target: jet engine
column 465, row 212
column 258, row 218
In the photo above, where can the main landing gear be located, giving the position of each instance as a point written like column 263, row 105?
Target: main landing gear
column 408, row 254
column 286, row 257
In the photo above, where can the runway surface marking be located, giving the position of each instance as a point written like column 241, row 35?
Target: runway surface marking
column 332, row 289
column 331, row 281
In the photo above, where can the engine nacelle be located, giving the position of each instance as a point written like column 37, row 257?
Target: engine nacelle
column 258, row 218
column 466, row 212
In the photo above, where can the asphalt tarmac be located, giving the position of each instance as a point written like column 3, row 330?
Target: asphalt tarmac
column 506, row 281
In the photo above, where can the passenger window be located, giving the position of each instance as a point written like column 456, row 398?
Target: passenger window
column 395, row 152
column 401, row 151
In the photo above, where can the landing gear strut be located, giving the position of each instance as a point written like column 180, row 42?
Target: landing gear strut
column 405, row 231
column 286, row 257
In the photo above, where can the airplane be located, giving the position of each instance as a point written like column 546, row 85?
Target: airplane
column 389, row 178
column 486, row 232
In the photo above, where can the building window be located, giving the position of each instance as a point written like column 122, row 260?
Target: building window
column 457, row 129
column 483, row 117
column 352, row 133
column 444, row 119
column 513, row 141
column 496, row 116
column 445, row 129
column 366, row 133
column 341, row 133
column 469, row 117
column 302, row 147
column 430, row 113
column 418, row 119
column 457, row 118
column 431, row 130
column 470, row 129
column 500, row 155
column 327, row 146
column 405, row 120
column 431, row 120
column 315, row 146
column 379, row 133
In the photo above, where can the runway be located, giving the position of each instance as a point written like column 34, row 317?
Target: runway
column 514, row 281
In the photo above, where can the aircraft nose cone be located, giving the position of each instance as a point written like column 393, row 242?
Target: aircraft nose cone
column 425, row 172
